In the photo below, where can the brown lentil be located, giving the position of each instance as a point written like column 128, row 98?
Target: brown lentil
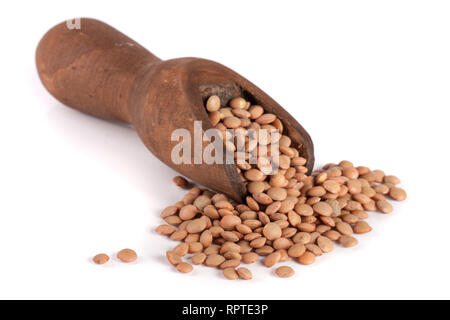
column 188, row 212
column 198, row 258
column 325, row 244
column 184, row 267
column 244, row 273
column 307, row 258
column 181, row 182
column 350, row 218
column 258, row 243
column 196, row 226
column 272, row 231
column 250, row 257
column 100, row 258
column 229, row 222
column 302, row 237
column 361, row 227
column 230, row 264
column 214, row 260
column 304, row 209
column 238, row 103
column 169, row 211
column 344, row 228
column 173, row 258
column 262, row 198
column 165, row 230
column 213, row 103
column 296, row 250
column 397, row 194
column 284, row 272
column 230, row 274
column 213, row 249
column 206, row 238
column 391, row 179
column 182, row 249
column 127, row 255
column 195, row 247
column 314, row 249
column 323, row 208
column 333, row 235
column 384, row 206
column 178, row 235
column 348, row 241
column 332, row 186
column 272, row 259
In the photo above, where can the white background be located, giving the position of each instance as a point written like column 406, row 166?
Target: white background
column 369, row 80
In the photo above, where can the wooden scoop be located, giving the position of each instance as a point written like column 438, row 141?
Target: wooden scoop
column 98, row 70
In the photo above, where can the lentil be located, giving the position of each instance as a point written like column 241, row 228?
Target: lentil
column 284, row 272
column 230, row 274
column 127, row 255
column 181, row 182
column 244, row 273
column 101, row 258
column 184, row 267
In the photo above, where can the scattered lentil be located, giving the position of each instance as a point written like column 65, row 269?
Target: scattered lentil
column 101, row 258
column 284, row 272
column 288, row 213
column 127, row 255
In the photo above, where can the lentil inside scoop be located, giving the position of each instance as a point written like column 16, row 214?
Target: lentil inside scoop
column 288, row 214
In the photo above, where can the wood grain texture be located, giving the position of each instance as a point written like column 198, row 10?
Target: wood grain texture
column 99, row 71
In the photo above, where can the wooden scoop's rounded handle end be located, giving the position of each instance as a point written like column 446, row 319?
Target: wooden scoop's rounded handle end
column 91, row 68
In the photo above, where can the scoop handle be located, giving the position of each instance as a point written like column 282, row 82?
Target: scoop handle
column 90, row 66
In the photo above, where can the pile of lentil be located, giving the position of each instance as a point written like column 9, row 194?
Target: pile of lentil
column 288, row 214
